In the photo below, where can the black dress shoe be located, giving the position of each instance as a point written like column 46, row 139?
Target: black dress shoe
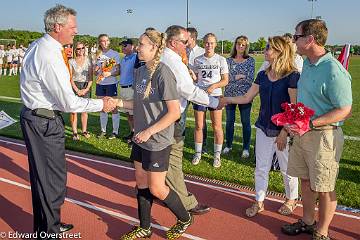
column 200, row 209
column 64, row 227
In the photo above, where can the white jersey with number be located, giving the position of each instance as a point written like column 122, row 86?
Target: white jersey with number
column 2, row 56
column 15, row 54
column 209, row 71
column 9, row 56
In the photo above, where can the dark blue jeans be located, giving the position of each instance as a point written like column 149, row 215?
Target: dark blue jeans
column 245, row 110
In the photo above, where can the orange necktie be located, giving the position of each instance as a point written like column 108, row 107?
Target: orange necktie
column 66, row 60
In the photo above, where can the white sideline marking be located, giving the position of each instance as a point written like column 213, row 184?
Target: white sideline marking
column 189, row 181
column 353, row 138
column 100, row 209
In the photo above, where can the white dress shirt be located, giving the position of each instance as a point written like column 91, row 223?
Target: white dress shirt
column 185, row 84
column 194, row 53
column 45, row 80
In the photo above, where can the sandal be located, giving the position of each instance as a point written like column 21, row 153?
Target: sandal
column 254, row 209
column 287, row 208
column 86, row 134
column 298, row 227
column 75, row 137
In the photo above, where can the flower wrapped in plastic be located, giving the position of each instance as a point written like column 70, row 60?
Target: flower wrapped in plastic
column 106, row 66
column 297, row 115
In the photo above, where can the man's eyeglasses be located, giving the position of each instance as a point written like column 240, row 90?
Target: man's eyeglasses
column 297, row 36
column 80, row 48
column 185, row 42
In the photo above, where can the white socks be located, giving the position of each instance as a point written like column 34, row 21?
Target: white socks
column 198, row 148
column 217, row 150
column 103, row 121
column 116, row 122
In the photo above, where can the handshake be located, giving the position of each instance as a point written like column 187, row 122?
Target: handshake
column 110, row 104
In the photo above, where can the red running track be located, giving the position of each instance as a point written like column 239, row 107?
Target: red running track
column 101, row 203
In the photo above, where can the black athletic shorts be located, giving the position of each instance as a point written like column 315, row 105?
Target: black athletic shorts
column 152, row 161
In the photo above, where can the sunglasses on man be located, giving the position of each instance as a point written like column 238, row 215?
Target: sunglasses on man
column 297, row 36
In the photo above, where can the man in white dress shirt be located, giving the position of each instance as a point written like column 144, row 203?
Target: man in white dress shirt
column 45, row 92
column 177, row 38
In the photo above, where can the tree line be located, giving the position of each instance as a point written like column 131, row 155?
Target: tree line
column 26, row 37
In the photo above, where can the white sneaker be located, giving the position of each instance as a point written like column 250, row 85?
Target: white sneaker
column 226, row 150
column 196, row 159
column 245, row 154
column 217, row 162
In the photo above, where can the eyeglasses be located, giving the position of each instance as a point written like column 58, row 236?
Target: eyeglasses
column 80, row 48
column 185, row 42
column 297, row 36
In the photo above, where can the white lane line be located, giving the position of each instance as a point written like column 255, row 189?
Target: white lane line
column 352, row 138
column 188, row 181
column 103, row 210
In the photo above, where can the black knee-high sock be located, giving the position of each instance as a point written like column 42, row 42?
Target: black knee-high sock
column 174, row 203
column 145, row 200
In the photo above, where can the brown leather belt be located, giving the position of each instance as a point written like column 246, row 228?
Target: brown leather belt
column 326, row 127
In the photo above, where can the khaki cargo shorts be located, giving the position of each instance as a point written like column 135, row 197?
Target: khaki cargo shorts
column 315, row 156
column 126, row 94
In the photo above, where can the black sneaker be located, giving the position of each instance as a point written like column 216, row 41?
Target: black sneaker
column 129, row 137
column 101, row 135
column 113, row 136
column 137, row 232
column 179, row 228
column 298, row 227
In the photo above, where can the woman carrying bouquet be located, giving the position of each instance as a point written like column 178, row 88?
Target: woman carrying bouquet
column 275, row 85
column 106, row 82
column 156, row 108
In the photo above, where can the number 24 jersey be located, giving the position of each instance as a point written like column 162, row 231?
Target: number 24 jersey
column 209, row 71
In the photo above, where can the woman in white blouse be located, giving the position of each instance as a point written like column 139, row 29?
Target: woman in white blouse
column 81, row 81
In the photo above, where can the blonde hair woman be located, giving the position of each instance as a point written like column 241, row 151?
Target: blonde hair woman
column 275, row 85
column 81, row 82
column 156, row 108
column 211, row 74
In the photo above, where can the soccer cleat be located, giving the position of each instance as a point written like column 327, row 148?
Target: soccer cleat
column 217, row 162
column 113, row 136
column 226, row 150
column 137, row 232
column 178, row 229
column 245, row 154
column 196, row 159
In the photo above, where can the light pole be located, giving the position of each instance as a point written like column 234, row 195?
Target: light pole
column 222, row 41
column 187, row 14
column 312, row 7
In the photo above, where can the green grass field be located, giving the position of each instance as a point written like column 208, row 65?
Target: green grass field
column 233, row 168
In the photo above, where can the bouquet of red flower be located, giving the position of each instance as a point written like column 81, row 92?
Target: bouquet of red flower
column 294, row 114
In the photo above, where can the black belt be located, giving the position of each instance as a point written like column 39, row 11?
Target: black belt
column 46, row 113
column 128, row 86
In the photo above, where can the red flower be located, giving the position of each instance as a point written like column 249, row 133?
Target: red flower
column 294, row 114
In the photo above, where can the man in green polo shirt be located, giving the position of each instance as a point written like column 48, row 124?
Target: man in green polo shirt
column 324, row 86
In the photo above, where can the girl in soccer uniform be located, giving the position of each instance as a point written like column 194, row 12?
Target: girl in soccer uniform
column 107, row 87
column 156, row 108
column 211, row 74
column 2, row 56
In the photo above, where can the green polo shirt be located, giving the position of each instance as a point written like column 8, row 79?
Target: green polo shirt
column 324, row 86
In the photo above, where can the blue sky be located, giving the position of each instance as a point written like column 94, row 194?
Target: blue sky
column 252, row 18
